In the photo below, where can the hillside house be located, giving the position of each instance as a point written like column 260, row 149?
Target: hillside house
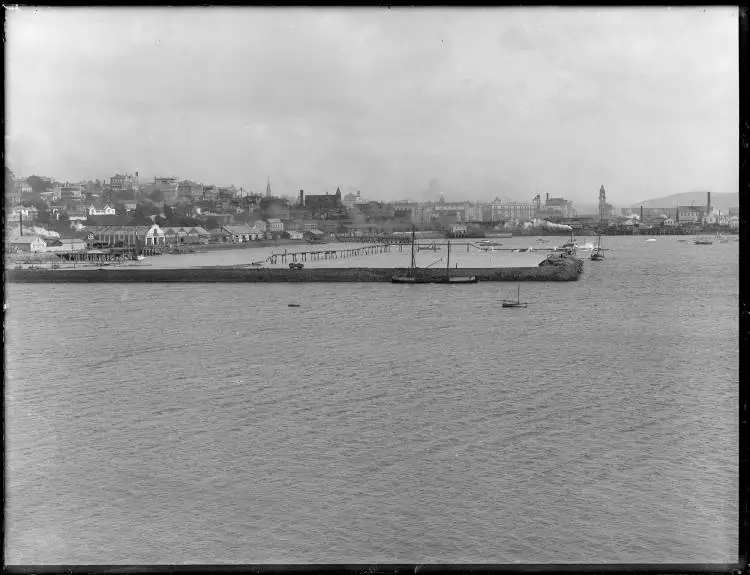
column 105, row 209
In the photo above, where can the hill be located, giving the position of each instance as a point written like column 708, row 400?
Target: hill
column 721, row 201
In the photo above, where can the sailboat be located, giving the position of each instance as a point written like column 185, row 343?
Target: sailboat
column 411, row 276
column 449, row 279
column 517, row 303
column 596, row 253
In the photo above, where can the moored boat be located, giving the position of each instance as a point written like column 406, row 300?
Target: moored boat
column 517, row 303
column 597, row 253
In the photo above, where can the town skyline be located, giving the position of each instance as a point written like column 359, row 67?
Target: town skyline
column 308, row 97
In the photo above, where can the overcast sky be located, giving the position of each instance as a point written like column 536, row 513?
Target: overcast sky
column 400, row 103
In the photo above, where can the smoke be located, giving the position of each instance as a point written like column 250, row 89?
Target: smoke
column 43, row 233
column 545, row 225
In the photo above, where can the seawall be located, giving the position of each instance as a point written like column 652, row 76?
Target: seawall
column 563, row 272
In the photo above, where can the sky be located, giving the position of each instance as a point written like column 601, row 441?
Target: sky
column 398, row 103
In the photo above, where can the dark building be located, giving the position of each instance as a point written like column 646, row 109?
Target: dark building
column 322, row 202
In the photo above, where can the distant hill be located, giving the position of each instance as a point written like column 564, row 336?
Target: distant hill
column 720, row 201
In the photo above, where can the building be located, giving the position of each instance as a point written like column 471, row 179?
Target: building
column 502, row 210
column 104, row 209
column 27, row 244
column 25, row 188
column 124, row 183
column 241, row 234
column 14, row 193
column 559, row 207
column 350, row 200
column 322, row 202
column 275, row 225
column 68, row 245
column 124, row 236
column 167, row 186
column 690, row 214
column 27, row 213
column 72, row 192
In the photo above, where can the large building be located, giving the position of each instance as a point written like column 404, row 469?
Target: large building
column 501, row 210
column 554, row 207
column 322, row 202
column 124, row 182
column 167, row 186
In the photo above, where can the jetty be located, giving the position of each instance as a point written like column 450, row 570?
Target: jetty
column 556, row 267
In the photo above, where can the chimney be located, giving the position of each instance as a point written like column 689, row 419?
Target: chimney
column 708, row 203
column 20, row 224
column 641, row 214
column 302, row 197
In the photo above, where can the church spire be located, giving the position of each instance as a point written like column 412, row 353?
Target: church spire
column 268, row 188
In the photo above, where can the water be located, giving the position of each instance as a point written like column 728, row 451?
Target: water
column 168, row 423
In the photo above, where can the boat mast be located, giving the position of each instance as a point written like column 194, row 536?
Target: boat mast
column 518, row 299
column 448, row 263
column 413, row 261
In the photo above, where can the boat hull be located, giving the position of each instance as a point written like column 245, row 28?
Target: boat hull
column 409, row 280
column 514, row 305
column 456, row 280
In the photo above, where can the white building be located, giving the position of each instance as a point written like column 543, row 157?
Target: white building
column 28, row 244
column 105, row 210
column 275, row 225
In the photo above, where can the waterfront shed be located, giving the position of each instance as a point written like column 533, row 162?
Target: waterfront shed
column 28, row 244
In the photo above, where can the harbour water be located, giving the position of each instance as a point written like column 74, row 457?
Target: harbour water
column 212, row 423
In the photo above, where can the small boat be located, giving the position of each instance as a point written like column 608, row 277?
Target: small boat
column 651, row 240
column 411, row 276
column 702, row 241
column 140, row 258
column 517, row 303
column 449, row 279
column 596, row 253
column 542, row 241
column 293, row 304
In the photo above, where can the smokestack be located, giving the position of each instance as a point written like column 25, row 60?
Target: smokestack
column 20, row 224
column 641, row 214
column 708, row 203
column 302, row 197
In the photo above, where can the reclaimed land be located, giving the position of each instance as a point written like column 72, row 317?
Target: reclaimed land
column 565, row 271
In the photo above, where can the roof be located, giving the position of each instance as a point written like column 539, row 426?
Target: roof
column 25, row 239
column 239, row 229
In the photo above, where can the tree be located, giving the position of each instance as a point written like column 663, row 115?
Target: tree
column 10, row 180
column 169, row 214
column 212, row 223
column 39, row 184
column 157, row 196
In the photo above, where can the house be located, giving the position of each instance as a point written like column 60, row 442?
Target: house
column 131, row 206
column 458, row 229
column 27, row 244
column 295, row 235
column 241, row 234
column 27, row 212
column 105, row 209
column 275, row 225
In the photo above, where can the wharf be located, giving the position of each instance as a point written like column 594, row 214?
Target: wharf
column 562, row 269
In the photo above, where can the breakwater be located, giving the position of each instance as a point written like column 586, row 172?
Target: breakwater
column 565, row 271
